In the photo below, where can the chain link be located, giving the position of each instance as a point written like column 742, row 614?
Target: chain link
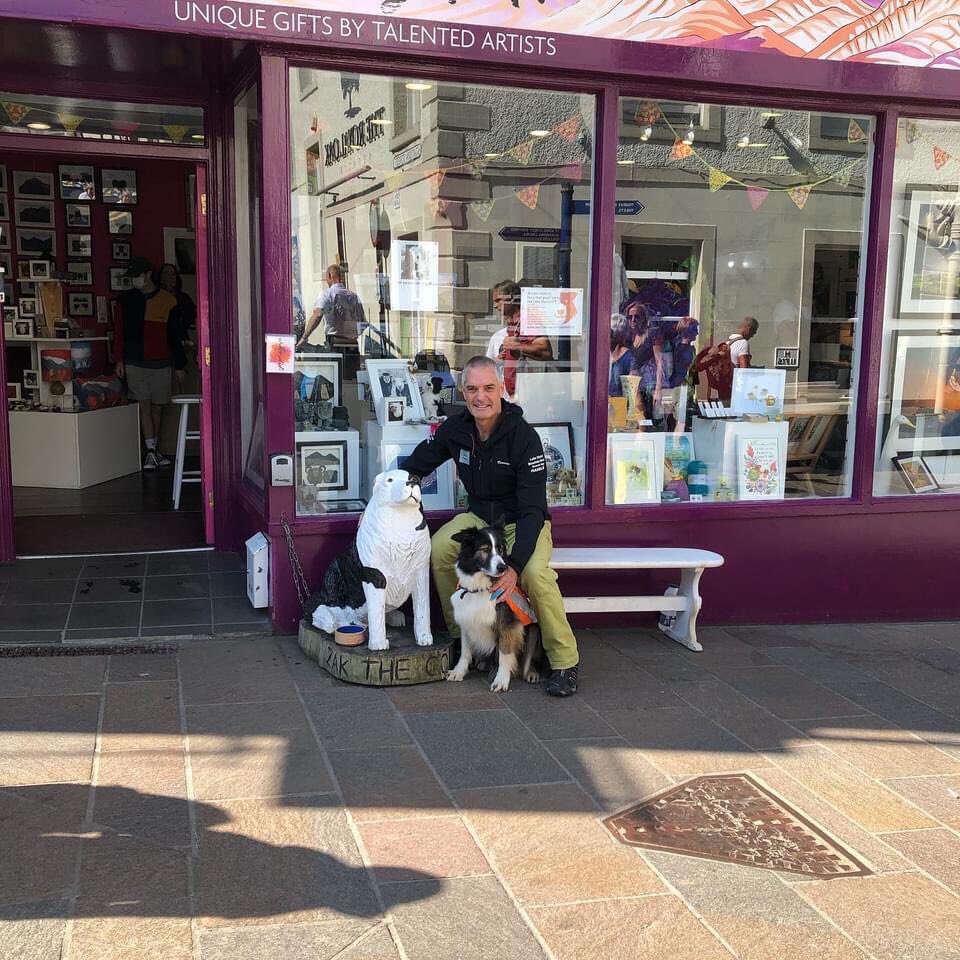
column 300, row 581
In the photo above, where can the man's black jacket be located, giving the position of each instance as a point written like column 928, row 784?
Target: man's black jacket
column 505, row 476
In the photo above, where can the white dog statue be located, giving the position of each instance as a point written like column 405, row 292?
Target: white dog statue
column 388, row 562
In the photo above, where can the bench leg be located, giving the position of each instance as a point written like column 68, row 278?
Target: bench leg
column 684, row 629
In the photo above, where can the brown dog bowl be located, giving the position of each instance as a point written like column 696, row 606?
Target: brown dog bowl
column 351, row 635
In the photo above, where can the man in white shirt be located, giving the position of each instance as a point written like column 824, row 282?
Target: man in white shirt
column 740, row 355
column 503, row 293
column 323, row 308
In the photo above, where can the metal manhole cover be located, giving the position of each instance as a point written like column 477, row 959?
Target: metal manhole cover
column 733, row 819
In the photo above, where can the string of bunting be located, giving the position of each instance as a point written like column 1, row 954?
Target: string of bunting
column 912, row 133
column 71, row 122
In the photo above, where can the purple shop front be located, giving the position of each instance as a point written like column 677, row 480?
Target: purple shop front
column 593, row 196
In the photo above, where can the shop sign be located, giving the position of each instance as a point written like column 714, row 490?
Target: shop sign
column 404, row 157
column 551, row 312
column 535, row 234
column 354, row 138
column 788, row 358
column 622, row 208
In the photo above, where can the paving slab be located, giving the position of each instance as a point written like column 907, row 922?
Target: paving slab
column 937, row 796
column 936, row 852
column 333, row 940
column 33, row 931
column 49, row 676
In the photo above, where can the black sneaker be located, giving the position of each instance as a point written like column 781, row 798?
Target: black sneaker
column 563, row 683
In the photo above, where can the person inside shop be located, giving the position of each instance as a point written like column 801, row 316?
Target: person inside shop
column 621, row 344
column 499, row 459
column 739, row 342
column 340, row 310
column 506, row 291
column 714, row 365
column 170, row 280
column 147, row 339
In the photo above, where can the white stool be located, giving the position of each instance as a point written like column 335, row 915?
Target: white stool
column 181, row 476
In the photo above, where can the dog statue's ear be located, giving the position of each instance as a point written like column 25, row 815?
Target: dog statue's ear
column 464, row 535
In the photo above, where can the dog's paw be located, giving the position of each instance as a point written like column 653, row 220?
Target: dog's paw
column 532, row 676
column 396, row 618
column 455, row 676
column 424, row 639
column 500, row 684
column 383, row 644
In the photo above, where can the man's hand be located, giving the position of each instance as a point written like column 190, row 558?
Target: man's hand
column 180, row 376
column 512, row 344
column 119, row 370
column 505, row 584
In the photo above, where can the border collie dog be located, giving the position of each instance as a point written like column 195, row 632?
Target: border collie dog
column 486, row 626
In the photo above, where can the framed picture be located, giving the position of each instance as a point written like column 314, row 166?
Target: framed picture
column 120, row 221
column 22, row 328
column 79, row 245
column 396, row 411
column 119, row 186
column 78, row 215
column 36, row 243
column 28, row 185
column 28, row 307
column 436, row 489
column 6, row 268
column 4, row 236
column 79, row 274
column 558, row 453
column 4, row 207
column 39, row 269
column 34, row 213
column 342, row 506
column 757, row 392
column 13, row 391
column 759, row 468
column 318, row 377
column 916, row 474
column 27, row 288
column 80, row 304
column 120, row 250
column 926, row 379
column 929, row 282
column 180, row 249
column 324, row 465
column 631, row 469
column 31, row 379
column 392, row 380
column 77, row 183
column 119, row 281
column 677, row 454
column 415, row 275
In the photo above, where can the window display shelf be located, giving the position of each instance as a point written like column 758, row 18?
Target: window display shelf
column 13, row 341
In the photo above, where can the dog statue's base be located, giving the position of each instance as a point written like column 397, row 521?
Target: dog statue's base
column 404, row 663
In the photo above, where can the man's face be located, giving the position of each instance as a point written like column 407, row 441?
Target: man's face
column 482, row 391
column 500, row 299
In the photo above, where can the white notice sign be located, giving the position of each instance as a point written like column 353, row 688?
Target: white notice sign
column 551, row 312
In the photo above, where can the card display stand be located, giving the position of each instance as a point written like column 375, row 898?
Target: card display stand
column 715, row 443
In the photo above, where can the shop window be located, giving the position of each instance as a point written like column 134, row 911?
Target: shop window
column 918, row 427
column 737, row 278
column 411, row 202
column 103, row 120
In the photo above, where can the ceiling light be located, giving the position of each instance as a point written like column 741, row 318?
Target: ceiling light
column 380, row 122
column 647, row 131
column 770, row 113
column 196, row 136
column 625, row 163
column 779, row 156
column 644, row 136
column 688, row 139
column 418, row 85
column 540, row 133
column 731, row 263
column 491, row 156
column 744, row 141
column 758, row 146
column 38, row 125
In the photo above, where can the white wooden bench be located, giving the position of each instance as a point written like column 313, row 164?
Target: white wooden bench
column 686, row 603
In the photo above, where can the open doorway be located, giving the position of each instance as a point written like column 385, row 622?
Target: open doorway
column 86, row 474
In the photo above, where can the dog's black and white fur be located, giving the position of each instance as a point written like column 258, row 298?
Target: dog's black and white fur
column 486, row 626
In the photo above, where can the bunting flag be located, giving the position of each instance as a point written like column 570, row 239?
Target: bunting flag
column 482, row 208
column 680, row 150
column 15, row 111
column 799, row 196
column 911, row 131
column 718, row 179
column 569, row 128
column 756, row 196
column 529, row 196
column 647, row 114
column 438, row 207
column 940, row 157
column 175, row 131
column 69, row 121
column 436, row 178
column 855, row 133
column 522, row 151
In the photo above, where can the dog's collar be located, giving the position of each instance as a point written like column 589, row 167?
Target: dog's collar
column 464, row 591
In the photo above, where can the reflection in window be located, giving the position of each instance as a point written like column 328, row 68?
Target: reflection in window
column 433, row 223
column 918, row 429
column 737, row 272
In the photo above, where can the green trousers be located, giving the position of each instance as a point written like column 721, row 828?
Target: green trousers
column 538, row 582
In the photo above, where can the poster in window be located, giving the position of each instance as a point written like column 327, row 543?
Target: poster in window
column 930, row 275
column 551, row 312
column 415, row 275
column 759, row 471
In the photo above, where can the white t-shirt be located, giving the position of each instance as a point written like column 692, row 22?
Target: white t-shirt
column 496, row 342
column 739, row 347
column 324, row 303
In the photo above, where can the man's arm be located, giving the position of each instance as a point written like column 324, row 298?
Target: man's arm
column 315, row 317
column 534, row 348
column 429, row 454
column 531, row 498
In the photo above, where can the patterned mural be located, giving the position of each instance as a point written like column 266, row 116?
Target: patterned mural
column 898, row 32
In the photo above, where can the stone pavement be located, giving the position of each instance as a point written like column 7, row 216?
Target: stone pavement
column 232, row 801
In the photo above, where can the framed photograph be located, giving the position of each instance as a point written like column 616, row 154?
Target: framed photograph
column 180, row 249
column 36, row 243
column 80, row 304
column 79, row 274
column 27, row 288
column 22, row 329
column 759, row 468
column 79, row 245
column 28, row 307
column 78, row 215
column 10, row 313
column 4, row 207
column 34, row 213
column 120, row 250
column 342, row 506
column 396, row 411
column 119, row 186
column 28, row 185
column 13, row 391
column 926, row 379
column 916, row 474
column 929, row 282
column 414, row 277
column 77, row 183
column 631, row 469
column 5, row 236
column 559, row 454
column 31, row 379
column 39, row 269
column 119, row 281
column 318, row 376
column 120, row 221
column 437, row 489
column 392, row 380
column 324, row 465
column 757, row 392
